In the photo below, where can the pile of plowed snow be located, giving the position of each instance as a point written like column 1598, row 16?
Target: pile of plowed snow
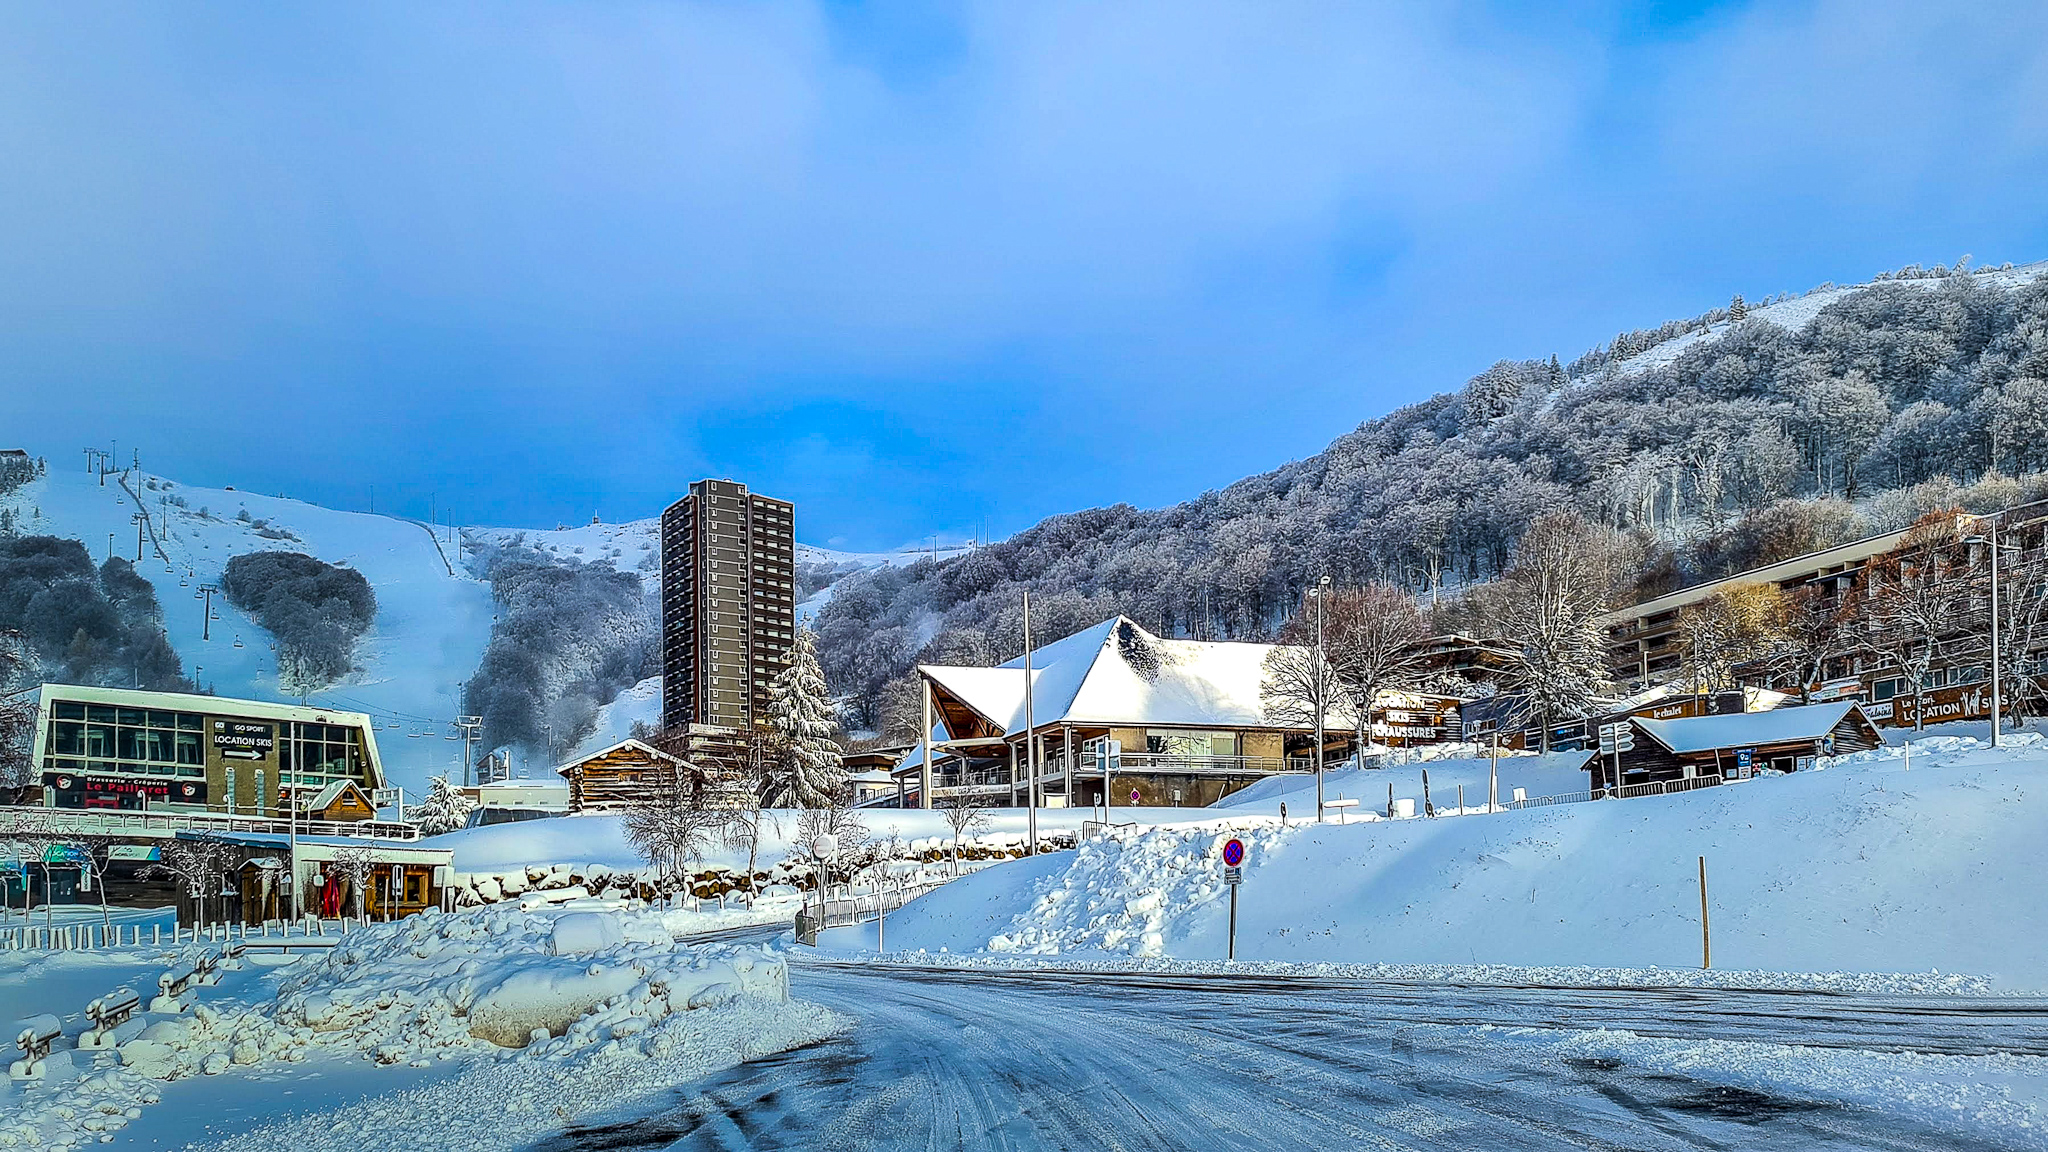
column 580, row 993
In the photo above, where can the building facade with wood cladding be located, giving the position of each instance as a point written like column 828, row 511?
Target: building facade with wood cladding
column 1735, row 746
column 632, row 774
column 728, row 604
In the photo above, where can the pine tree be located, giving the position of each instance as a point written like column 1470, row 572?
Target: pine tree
column 800, row 712
column 1737, row 309
column 444, row 810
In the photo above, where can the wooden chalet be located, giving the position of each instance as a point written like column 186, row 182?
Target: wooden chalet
column 342, row 801
column 1737, row 745
column 629, row 774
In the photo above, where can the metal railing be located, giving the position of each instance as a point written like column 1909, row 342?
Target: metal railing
column 167, row 824
column 1625, row 792
column 857, row 908
column 1090, row 829
column 1666, row 787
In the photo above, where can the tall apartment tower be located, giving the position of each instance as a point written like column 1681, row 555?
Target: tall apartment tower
column 728, row 604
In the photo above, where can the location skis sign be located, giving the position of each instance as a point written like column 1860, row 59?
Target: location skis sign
column 1233, row 858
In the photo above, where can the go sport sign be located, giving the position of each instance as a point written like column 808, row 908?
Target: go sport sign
column 243, row 740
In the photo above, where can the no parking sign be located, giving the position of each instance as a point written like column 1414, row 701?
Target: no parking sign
column 1233, row 875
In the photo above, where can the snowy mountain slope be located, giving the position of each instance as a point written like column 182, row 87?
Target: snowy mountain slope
column 433, row 616
column 1867, row 865
column 431, row 624
column 1799, row 311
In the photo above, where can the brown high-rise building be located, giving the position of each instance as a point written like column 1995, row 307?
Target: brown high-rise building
column 728, row 604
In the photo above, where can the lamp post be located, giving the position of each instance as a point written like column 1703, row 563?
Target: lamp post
column 1990, row 540
column 1321, row 591
column 1030, row 740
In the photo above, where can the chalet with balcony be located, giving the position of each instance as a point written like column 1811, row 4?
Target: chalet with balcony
column 1185, row 716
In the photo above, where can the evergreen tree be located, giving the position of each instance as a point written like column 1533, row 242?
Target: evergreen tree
column 800, row 712
column 444, row 810
column 1737, row 309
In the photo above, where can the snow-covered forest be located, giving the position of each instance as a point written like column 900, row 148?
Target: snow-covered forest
column 1744, row 435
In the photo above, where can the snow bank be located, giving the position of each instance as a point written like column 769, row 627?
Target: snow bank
column 556, row 989
column 1863, row 866
column 582, row 841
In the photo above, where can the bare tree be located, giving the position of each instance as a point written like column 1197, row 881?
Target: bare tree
column 198, row 862
column 1565, row 575
column 1372, row 639
column 965, row 819
column 1820, row 627
column 1727, row 628
column 668, row 833
column 355, row 864
column 1920, row 600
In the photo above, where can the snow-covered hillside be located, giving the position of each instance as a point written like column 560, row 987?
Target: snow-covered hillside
column 1869, row 865
column 433, row 616
column 1795, row 313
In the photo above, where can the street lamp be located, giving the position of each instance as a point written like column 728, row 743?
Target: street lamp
column 1320, row 591
column 1990, row 540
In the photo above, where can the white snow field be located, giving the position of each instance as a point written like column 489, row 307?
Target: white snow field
column 521, row 1021
column 1864, row 866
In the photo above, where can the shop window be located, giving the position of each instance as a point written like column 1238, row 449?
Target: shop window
column 68, row 738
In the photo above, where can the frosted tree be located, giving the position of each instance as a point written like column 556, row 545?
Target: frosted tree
column 1738, row 309
column 17, row 713
column 965, row 818
column 800, row 712
column 1551, row 603
column 669, row 835
column 444, row 810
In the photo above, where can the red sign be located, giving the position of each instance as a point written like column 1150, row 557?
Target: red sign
column 1233, row 852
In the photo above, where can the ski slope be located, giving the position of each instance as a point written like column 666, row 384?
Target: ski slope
column 433, row 616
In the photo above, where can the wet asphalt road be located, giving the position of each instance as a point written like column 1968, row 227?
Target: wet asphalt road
column 991, row 1060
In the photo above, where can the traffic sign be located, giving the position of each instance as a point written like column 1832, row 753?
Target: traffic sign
column 1233, row 876
column 1134, row 795
column 1233, row 852
column 1624, row 737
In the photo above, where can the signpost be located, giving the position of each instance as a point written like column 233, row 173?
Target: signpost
column 1614, row 740
column 1339, row 805
column 1233, row 875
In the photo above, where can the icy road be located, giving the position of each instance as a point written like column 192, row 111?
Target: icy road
column 992, row 1060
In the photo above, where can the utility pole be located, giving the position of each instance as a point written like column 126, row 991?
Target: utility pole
column 470, row 726
column 206, row 621
column 140, row 519
column 1990, row 539
column 1321, row 592
column 110, row 545
column 1030, row 741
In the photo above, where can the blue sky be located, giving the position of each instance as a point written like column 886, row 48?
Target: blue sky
column 930, row 266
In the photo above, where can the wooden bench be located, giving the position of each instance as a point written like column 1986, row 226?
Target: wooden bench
column 171, row 985
column 108, row 1013
column 36, row 1035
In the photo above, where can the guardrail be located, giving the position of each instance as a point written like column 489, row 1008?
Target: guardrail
column 166, row 824
column 1625, row 792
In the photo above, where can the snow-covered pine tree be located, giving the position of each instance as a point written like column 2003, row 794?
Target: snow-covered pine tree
column 1737, row 309
column 444, row 810
column 800, row 712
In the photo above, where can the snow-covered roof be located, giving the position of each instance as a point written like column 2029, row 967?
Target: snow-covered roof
column 1743, row 729
column 1117, row 673
column 642, row 745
